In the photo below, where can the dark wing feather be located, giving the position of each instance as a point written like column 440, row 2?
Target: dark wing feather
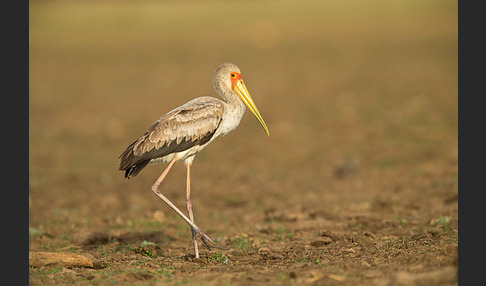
column 191, row 124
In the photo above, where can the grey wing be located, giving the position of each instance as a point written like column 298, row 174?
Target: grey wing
column 191, row 124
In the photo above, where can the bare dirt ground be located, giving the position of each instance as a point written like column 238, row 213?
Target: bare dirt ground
column 357, row 183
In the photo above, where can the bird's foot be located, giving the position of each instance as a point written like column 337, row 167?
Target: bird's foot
column 208, row 242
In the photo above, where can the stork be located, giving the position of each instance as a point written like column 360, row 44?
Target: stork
column 181, row 133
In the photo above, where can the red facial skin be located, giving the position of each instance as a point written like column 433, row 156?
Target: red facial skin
column 234, row 78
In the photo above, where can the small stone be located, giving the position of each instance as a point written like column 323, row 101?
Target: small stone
column 321, row 242
column 264, row 250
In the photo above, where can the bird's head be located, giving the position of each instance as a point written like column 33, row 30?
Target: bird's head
column 228, row 79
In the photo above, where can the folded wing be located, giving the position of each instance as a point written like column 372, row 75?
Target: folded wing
column 189, row 125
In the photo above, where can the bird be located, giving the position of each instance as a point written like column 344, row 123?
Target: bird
column 186, row 130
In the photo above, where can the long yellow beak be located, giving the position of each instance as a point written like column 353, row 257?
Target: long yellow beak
column 244, row 95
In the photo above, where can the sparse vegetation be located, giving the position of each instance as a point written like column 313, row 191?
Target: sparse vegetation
column 445, row 222
column 333, row 80
column 218, row 258
column 242, row 243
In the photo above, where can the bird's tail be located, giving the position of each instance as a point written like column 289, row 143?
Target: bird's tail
column 132, row 171
column 131, row 165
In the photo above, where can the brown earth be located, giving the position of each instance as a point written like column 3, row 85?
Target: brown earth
column 357, row 183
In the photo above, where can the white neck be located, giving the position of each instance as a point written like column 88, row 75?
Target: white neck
column 234, row 109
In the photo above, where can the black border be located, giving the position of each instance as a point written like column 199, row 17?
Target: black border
column 471, row 141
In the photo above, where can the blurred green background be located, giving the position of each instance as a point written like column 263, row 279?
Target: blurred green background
column 370, row 81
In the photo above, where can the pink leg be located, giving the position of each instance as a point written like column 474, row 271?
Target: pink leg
column 189, row 208
column 155, row 188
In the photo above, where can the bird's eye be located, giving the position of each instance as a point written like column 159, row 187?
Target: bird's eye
column 233, row 75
